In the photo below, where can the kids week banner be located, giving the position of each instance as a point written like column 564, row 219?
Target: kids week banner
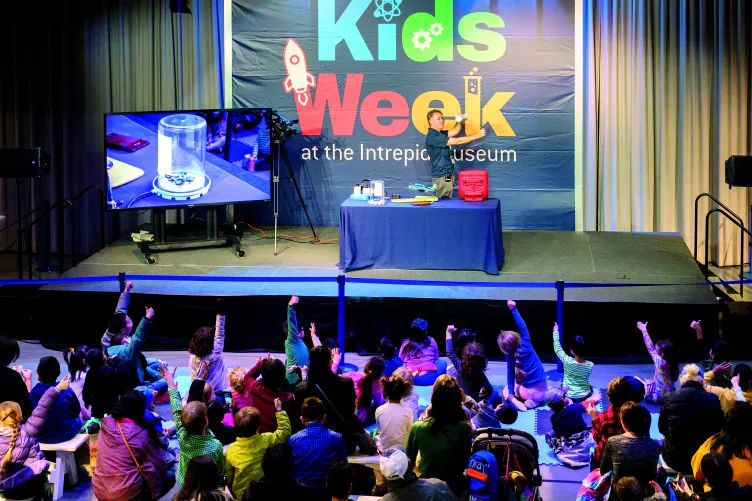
column 360, row 75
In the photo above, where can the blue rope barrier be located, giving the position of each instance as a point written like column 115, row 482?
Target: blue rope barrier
column 387, row 281
column 76, row 280
column 584, row 285
column 202, row 278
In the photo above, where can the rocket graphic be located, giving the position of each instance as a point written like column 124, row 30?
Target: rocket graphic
column 298, row 78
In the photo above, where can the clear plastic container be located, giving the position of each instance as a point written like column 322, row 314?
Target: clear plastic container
column 182, row 151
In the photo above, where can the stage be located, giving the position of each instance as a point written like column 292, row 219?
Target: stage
column 531, row 256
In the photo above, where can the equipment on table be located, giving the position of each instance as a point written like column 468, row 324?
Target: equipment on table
column 421, row 187
column 473, row 185
column 424, row 198
column 739, row 171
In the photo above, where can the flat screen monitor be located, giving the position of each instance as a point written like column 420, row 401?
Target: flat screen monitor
column 162, row 160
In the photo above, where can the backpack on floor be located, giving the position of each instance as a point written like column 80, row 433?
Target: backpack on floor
column 483, row 473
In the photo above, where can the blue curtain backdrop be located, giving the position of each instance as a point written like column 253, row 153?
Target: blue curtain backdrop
column 377, row 70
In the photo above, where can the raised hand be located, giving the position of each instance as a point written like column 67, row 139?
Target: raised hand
column 64, row 383
column 278, row 404
column 128, row 287
column 695, row 324
column 642, row 326
column 451, row 329
column 168, row 376
column 511, row 304
column 149, row 312
column 556, row 327
column 722, row 368
column 592, row 411
column 735, row 381
column 336, row 356
column 294, row 300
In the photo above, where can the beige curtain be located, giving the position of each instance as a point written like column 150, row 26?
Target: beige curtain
column 668, row 98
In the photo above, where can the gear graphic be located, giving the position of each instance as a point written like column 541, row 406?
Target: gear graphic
column 436, row 29
column 424, row 36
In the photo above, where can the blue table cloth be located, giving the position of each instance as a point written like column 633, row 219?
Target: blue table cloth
column 447, row 235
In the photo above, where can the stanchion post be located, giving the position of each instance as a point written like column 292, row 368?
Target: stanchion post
column 121, row 280
column 341, row 316
column 560, row 319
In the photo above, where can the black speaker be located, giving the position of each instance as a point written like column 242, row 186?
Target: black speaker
column 739, row 171
column 23, row 162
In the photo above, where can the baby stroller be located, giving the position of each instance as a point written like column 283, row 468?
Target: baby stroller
column 516, row 454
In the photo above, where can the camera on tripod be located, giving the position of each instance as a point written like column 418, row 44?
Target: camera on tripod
column 282, row 127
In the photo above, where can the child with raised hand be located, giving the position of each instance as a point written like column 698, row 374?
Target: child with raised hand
column 120, row 322
column 244, row 457
column 206, row 361
column 530, row 384
column 576, row 369
column 666, row 360
column 191, row 425
column 77, row 367
column 296, row 351
column 262, row 394
column 63, row 422
column 23, row 467
column 470, row 364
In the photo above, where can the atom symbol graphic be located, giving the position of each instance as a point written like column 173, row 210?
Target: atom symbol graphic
column 387, row 9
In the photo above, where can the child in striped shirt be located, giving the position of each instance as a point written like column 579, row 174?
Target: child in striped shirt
column 576, row 369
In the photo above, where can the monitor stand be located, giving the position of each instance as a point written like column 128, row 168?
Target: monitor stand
column 179, row 237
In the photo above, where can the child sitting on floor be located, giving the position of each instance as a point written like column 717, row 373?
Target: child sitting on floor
column 391, row 360
column 77, row 367
column 666, row 360
column 263, row 393
column 201, row 391
column 63, row 421
column 240, row 398
column 23, row 470
column 191, row 425
column 470, row 365
column 244, row 457
column 530, row 385
column 411, row 398
column 368, row 393
column 571, row 439
column 576, row 369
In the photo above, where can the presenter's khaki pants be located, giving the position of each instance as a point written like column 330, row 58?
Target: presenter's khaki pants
column 444, row 188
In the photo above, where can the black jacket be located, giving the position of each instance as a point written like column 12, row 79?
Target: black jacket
column 103, row 387
column 13, row 389
column 689, row 417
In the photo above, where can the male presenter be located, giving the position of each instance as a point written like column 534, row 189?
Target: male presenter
column 438, row 142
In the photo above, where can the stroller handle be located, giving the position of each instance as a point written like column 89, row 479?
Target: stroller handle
column 505, row 432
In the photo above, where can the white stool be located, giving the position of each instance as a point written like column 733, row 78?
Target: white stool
column 65, row 462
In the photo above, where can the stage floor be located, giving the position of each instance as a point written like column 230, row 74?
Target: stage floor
column 531, row 256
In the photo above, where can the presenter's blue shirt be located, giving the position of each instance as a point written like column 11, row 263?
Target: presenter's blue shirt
column 438, row 152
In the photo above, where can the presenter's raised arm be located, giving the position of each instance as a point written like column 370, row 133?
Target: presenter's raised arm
column 456, row 141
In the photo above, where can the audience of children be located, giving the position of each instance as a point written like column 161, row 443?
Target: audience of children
column 23, row 470
column 576, row 369
column 734, row 441
column 368, row 394
column 689, row 416
column 666, row 359
column 265, row 462
column 470, row 366
column 420, row 353
column 315, row 448
column 192, row 427
column 245, row 455
column 442, row 439
column 130, row 460
column 531, row 384
column 206, row 361
column 201, row 481
column 64, row 422
column 391, row 359
column 262, row 394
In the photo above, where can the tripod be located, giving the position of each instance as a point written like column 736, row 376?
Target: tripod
column 279, row 156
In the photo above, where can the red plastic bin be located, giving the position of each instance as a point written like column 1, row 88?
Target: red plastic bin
column 473, row 185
